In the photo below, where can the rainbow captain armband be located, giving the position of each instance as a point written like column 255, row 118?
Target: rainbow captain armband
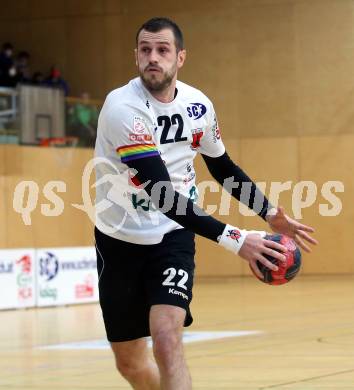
column 233, row 238
column 133, row 152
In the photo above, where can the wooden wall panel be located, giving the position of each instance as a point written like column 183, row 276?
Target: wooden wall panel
column 16, row 32
column 17, row 161
column 325, row 159
column 48, row 44
column 325, row 62
column 75, row 223
column 113, row 7
column 2, row 160
column 113, row 54
column 86, row 53
column 12, row 10
column 50, row 229
column 84, row 7
column 41, row 165
column 41, row 9
column 18, row 235
column 127, row 61
column 247, row 3
column 266, row 86
column 270, row 160
column 169, row 8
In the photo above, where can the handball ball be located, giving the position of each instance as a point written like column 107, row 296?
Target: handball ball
column 288, row 269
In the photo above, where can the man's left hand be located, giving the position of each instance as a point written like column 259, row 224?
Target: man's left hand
column 279, row 222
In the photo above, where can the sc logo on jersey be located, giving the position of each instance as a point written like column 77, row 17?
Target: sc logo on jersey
column 196, row 110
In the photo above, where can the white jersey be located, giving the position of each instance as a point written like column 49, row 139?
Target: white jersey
column 133, row 124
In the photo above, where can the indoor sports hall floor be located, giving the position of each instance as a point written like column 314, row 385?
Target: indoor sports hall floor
column 299, row 336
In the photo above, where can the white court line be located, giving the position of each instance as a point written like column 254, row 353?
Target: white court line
column 188, row 337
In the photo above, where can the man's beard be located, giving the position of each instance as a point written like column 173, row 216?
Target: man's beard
column 154, row 85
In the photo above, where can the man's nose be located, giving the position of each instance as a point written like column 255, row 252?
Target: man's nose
column 153, row 58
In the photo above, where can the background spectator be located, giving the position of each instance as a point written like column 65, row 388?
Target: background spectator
column 82, row 120
column 37, row 78
column 22, row 67
column 7, row 66
column 55, row 81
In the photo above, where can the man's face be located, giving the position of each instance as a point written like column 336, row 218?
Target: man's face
column 8, row 53
column 157, row 59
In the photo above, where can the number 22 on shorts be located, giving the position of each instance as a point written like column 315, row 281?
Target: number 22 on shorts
column 171, row 273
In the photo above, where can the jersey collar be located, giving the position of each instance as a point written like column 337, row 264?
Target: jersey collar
column 153, row 100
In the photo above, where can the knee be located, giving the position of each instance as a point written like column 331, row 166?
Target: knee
column 130, row 369
column 167, row 345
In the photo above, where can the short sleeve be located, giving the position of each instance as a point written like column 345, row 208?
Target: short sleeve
column 130, row 133
column 211, row 143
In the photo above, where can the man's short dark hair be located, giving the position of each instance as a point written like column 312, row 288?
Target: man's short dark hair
column 7, row 46
column 158, row 24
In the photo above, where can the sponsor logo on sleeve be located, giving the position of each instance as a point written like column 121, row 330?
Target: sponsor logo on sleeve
column 193, row 194
column 140, row 137
column 215, row 131
column 139, row 125
column 188, row 178
column 196, row 110
column 197, row 135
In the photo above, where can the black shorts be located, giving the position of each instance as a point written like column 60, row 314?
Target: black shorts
column 134, row 277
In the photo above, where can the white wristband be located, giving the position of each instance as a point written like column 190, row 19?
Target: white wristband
column 233, row 238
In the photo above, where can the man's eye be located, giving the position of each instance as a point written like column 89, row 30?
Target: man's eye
column 145, row 49
column 163, row 50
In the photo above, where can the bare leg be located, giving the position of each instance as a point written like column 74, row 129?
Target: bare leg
column 136, row 365
column 166, row 326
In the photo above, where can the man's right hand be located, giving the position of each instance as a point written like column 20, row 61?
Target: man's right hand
column 255, row 247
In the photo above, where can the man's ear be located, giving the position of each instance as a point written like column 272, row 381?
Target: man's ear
column 181, row 57
column 136, row 56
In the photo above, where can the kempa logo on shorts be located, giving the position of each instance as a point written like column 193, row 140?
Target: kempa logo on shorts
column 175, row 292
